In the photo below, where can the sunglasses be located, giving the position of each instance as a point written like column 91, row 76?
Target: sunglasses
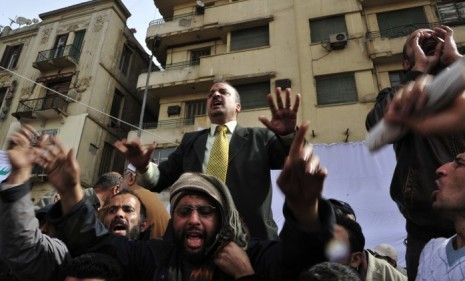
column 203, row 210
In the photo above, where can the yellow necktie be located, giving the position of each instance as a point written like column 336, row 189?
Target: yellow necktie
column 218, row 163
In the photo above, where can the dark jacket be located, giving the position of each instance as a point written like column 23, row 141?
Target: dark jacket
column 155, row 259
column 418, row 157
column 253, row 152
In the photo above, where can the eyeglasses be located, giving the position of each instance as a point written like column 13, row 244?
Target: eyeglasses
column 203, row 210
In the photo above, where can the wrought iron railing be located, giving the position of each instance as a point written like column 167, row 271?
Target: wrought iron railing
column 173, row 123
column 65, row 51
column 399, row 31
column 162, row 20
column 404, row 30
column 40, row 104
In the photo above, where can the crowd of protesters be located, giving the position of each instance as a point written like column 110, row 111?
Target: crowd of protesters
column 219, row 225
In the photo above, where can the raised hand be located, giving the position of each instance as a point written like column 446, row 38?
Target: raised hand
column 425, row 62
column 449, row 52
column 283, row 116
column 62, row 169
column 408, row 101
column 137, row 154
column 233, row 260
column 301, row 181
column 21, row 154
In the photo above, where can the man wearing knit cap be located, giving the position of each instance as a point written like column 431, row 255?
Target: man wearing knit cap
column 206, row 239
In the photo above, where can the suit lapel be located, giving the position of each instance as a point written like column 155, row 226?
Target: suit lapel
column 199, row 146
column 238, row 140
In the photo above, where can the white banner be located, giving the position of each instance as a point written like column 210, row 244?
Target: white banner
column 361, row 179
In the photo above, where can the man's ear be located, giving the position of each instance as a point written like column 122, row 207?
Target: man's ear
column 144, row 225
column 131, row 179
column 238, row 107
column 356, row 259
column 115, row 190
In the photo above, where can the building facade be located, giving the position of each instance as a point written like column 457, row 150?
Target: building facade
column 337, row 53
column 75, row 57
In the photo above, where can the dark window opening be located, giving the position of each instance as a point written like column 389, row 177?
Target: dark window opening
column 250, row 38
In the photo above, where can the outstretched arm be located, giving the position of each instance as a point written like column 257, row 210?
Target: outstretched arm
column 137, row 154
column 410, row 101
column 31, row 254
column 301, row 181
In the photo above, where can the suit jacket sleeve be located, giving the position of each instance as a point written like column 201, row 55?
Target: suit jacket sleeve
column 160, row 177
column 31, row 254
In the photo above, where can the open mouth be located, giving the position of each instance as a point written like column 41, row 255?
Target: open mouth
column 194, row 239
column 118, row 228
column 217, row 103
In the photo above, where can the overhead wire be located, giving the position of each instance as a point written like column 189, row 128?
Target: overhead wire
column 86, row 105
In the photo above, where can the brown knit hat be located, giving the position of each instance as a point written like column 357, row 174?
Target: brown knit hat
column 232, row 228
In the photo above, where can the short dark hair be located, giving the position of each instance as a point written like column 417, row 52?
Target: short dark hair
column 342, row 208
column 328, row 271
column 143, row 210
column 108, row 180
column 93, row 265
column 356, row 237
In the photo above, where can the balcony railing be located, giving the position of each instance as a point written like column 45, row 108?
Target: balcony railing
column 40, row 104
column 399, row 31
column 65, row 51
column 173, row 123
column 162, row 20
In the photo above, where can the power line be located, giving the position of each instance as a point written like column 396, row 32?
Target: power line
column 86, row 105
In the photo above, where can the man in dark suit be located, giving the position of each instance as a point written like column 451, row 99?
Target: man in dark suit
column 252, row 153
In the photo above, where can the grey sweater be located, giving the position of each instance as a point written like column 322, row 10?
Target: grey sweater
column 29, row 253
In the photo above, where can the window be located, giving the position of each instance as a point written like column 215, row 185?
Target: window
column 195, row 108
column 54, row 101
column 250, row 38
column 401, row 22
column 59, row 47
column 396, row 77
column 111, row 160
column 161, row 154
column 116, row 108
column 254, row 95
column 337, row 88
column 11, row 56
column 320, row 29
column 198, row 53
column 125, row 59
column 451, row 13
column 105, row 162
column 75, row 51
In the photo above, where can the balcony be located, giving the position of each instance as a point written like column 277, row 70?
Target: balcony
column 67, row 56
column 180, row 76
column 49, row 107
column 171, row 131
column 170, row 123
column 214, row 23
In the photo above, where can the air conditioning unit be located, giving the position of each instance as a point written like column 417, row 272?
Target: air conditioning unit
column 338, row 41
